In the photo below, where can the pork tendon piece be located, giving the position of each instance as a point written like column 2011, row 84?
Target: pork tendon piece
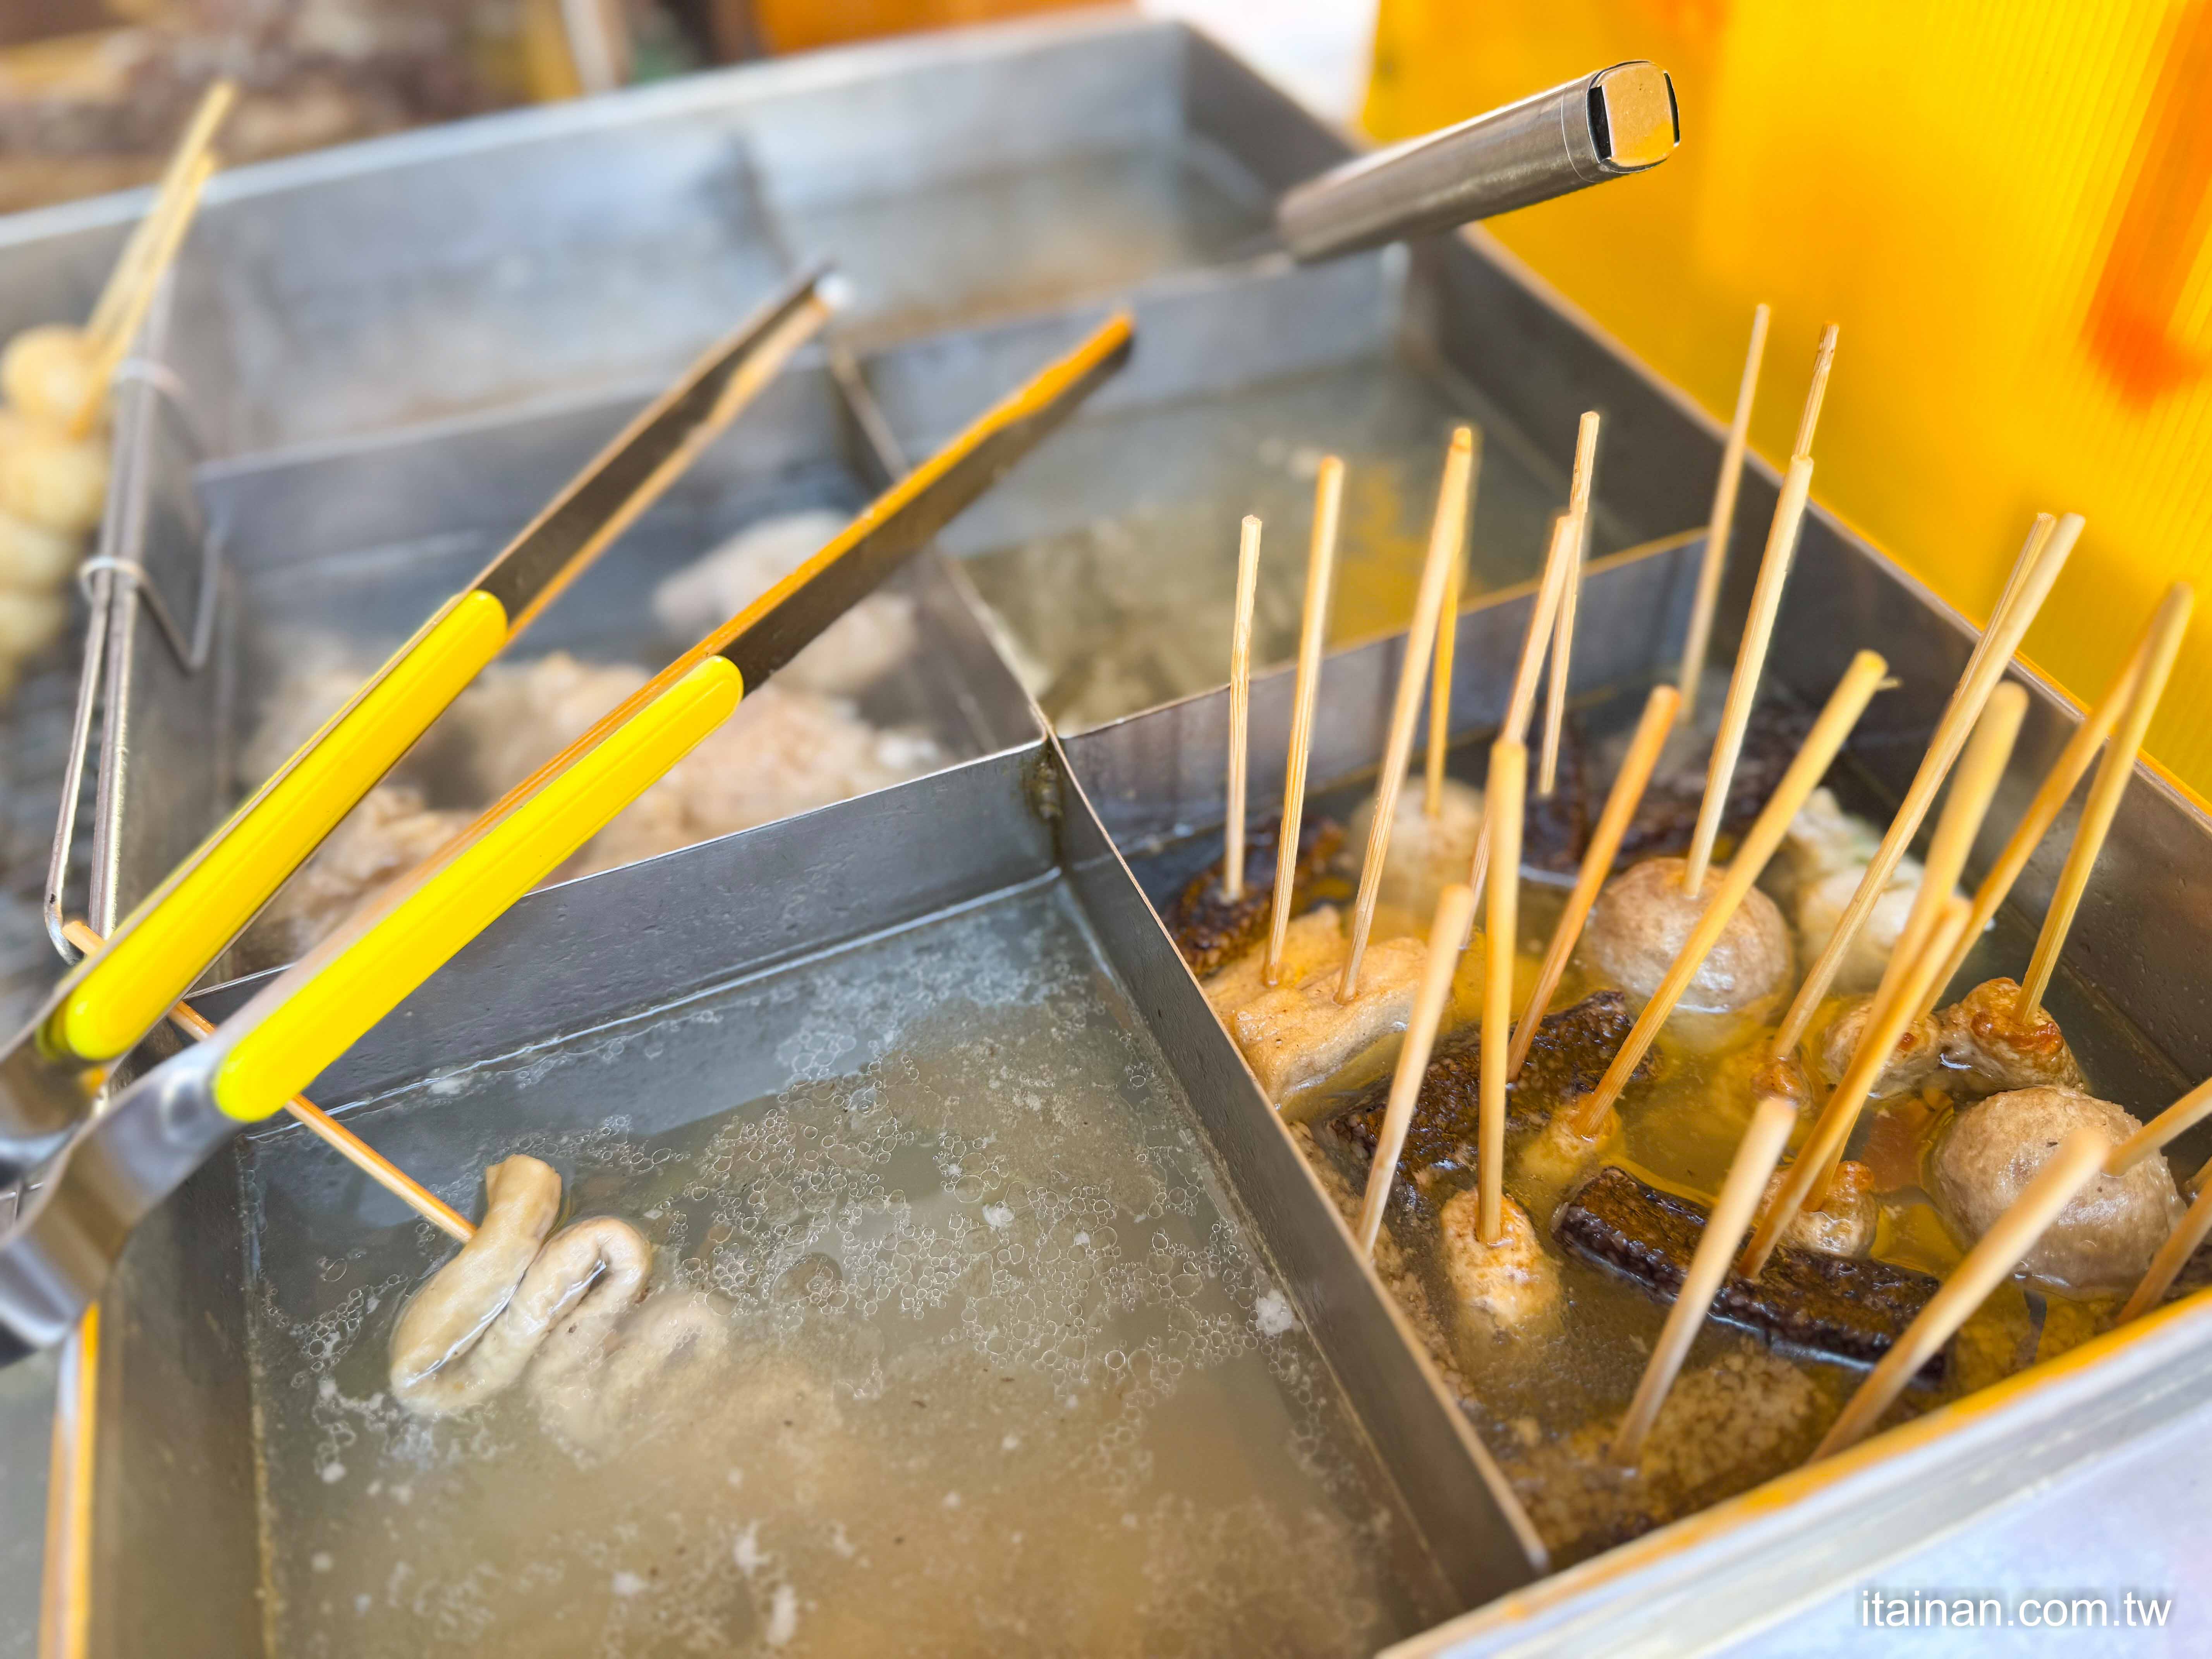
column 1567, row 1058
column 1311, row 942
column 1982, row 1033
column 1836, row 1307
column 1209, row 929
column 1512, row 1283
column 1916, row 1058
column 1640, row 921
column 2105, row 1239
column 1844, row 1224
column 1298, row 1032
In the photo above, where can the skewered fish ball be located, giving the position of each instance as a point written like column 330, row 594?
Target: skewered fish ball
column 29, row 623
column 1983, row 1033
column 54, row 481
column 1426, row 854
column 1918, row 1057
column 33, row 558
column 2105, row 1239
column 1513, row 1283
column 51, row 372
column 1844, row 1223
column 1641, row 920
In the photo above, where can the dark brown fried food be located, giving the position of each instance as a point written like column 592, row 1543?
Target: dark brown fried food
column 1846, row 1308
column 1555, row 828
column 1669, row 814
column 1569, row 1056
column 1209, row 928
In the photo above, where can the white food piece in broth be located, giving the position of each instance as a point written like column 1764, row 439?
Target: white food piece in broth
column 1311, row 942
column 869, row 640
column 784, row 751
column 1512, row 1283
column 53, row 480
column 1426, row 854
column 34, row 559
column 1299, row 1031
column 1643, row 918
column 2104, row 1238
column 1824, row 856
column 516, row 717
column 50, row 373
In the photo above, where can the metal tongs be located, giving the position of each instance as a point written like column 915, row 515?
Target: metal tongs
column 50, row 1074
column 115, row 1169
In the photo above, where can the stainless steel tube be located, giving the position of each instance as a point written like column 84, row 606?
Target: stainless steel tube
column 1607, row 126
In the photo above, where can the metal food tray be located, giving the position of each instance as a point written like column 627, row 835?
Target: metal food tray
column 1003, row 121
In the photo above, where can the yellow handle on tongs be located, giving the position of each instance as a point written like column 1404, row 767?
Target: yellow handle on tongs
column 126, row 989
column 364, row 973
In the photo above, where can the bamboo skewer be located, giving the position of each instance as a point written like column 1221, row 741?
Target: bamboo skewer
column 1981, row 768
column 1845, row 706
column 1445, row 536
column 1774, row 566
column 1988, row 1264
column 1454, row 915
column 1756, row 1155
column 1522, row 702
column 2177, row 1120
column 1433, row 803
column 2114, row 773
column 1823, row 1151
column 1504, row 799
column 1750, row 662
column 1240, row 707
column 1578, row 512
column 1720, row 527
column 2057, row 787
column 109, row 349
column 371, row 1163
column 199, row 133
column 1321, row 561
column 1620, row 803
column 2172, row 1255
column 2044, row 557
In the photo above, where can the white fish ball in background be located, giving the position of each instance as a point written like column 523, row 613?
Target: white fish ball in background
column 54, row 482
column 34, row 559
column 29, row 623
column 50, row 373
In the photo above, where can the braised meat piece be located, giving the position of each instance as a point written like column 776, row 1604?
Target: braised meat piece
column 1569, row 1056
column 1209, row 928
column 1845, row 1308
column 1669, row 814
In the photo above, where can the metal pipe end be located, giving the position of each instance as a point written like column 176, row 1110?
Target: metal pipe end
column 1635, row 122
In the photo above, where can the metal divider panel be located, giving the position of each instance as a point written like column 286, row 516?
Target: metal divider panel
column 1466, row 1512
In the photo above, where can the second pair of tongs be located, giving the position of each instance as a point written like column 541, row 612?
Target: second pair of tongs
column 54, row 1260
column 107, row 1005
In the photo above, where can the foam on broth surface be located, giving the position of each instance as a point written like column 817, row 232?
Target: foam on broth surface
column 1006, row 1365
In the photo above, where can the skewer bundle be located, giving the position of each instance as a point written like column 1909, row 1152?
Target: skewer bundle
column 53, row 440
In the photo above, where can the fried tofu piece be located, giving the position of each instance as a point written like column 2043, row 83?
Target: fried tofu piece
column 1298, row 1032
